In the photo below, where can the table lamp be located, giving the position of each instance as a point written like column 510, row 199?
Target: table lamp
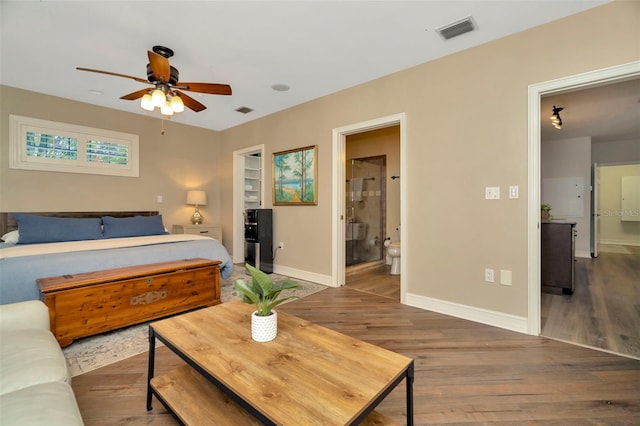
column 197, row 198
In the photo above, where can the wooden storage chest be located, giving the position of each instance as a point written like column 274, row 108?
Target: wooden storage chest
column 89, row 303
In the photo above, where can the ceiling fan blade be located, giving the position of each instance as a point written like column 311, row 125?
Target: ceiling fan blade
column 135, row 95
column 190, row 103
column 140, row 80
column 160, row 66
column 210, row 88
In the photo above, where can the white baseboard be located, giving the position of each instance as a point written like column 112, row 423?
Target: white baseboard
column 584, row 254
column 621, row 242
column 483, row 316
column 303, row 275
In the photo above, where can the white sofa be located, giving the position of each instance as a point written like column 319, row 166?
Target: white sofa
column 35, row 384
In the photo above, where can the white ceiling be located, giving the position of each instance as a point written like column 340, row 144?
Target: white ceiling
column 316, row 47
column 604, row 113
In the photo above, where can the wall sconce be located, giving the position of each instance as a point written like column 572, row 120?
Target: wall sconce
column 197, row 198
column 555, row 118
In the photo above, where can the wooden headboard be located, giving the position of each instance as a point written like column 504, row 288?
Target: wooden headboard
column 8, row 222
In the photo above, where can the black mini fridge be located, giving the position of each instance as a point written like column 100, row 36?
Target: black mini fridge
column 258, row 239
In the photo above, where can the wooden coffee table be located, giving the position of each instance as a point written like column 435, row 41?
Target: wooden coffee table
column 308, row 375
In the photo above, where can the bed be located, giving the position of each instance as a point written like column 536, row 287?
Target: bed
column 69, row 243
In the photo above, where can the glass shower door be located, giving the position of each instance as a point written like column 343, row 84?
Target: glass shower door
column 365, row 210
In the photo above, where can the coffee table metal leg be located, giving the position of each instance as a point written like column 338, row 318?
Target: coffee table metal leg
column 152, row 355
column 409, row 380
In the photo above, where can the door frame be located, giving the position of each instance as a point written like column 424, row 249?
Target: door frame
column 536, row 91
column 339, row 192
column 238, row 197
column 595, row 209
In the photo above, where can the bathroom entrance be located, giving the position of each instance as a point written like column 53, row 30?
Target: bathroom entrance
column 371, row 197
column 365, row 207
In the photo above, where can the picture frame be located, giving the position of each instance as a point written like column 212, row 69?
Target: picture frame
column 295, row 177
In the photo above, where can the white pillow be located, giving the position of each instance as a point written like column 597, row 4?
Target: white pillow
column 11, row 237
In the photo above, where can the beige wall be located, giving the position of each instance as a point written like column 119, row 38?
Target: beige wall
column 466, row 129
column 612, row 229
column 184, row 157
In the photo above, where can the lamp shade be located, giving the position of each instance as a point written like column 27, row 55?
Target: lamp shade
column 158, row 98
column 198, row 198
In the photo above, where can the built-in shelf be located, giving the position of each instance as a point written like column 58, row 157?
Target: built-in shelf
column 252, row 181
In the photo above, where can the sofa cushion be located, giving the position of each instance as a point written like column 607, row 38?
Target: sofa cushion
column 51, row 404
column 30, row 357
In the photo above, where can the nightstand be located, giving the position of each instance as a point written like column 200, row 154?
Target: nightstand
column 213, row 231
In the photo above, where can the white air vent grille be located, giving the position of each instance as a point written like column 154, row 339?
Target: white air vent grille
column 457, row 28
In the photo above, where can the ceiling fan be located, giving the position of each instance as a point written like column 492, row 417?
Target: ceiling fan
column 167, row 93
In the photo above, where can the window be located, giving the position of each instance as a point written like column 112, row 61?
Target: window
column 58, row 147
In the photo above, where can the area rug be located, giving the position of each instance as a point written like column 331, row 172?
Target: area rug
column 90, row 353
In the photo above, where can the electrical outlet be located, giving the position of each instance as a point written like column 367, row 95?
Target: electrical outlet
column 488, row 275
column 281, row 245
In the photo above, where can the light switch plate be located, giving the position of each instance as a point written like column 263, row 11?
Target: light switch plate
column 514, row 192
column 492, row 193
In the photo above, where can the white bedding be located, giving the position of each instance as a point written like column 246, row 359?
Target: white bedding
column 109, row 243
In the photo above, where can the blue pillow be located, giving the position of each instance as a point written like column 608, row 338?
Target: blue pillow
column 43, row 229
column 136, row 226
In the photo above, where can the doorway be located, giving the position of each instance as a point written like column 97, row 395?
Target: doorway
column 339, row 223
column 536, row 92
column 248, row 192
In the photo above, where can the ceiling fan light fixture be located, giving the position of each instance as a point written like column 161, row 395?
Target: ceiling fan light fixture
column 166, row 109
column 158, row 98
column 176, row 104
column 147, row 102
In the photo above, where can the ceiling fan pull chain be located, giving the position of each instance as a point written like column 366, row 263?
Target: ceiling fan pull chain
column 162, row 132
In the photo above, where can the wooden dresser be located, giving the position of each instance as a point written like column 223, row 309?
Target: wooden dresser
column 85, row 304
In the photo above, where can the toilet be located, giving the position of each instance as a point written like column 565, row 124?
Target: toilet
column 393, row 254
column 393, row 251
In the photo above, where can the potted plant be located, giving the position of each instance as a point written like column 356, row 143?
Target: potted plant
column 264, row 293
column 545, row 213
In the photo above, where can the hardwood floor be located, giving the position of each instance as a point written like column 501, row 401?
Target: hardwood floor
column 376, row 280
column 604, row 310
column 465, row 372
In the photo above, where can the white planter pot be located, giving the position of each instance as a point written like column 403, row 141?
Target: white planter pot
column 264, row 329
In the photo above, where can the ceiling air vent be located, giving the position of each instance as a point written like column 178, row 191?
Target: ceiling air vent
column 457, row 28
column 244, row 110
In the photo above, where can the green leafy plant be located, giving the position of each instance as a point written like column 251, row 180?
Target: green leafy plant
column 545, row 207
column 262, row 291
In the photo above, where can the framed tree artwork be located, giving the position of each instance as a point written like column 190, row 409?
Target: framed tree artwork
column 295, row 180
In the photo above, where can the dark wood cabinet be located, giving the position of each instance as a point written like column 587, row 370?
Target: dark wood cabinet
column 558, row 257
